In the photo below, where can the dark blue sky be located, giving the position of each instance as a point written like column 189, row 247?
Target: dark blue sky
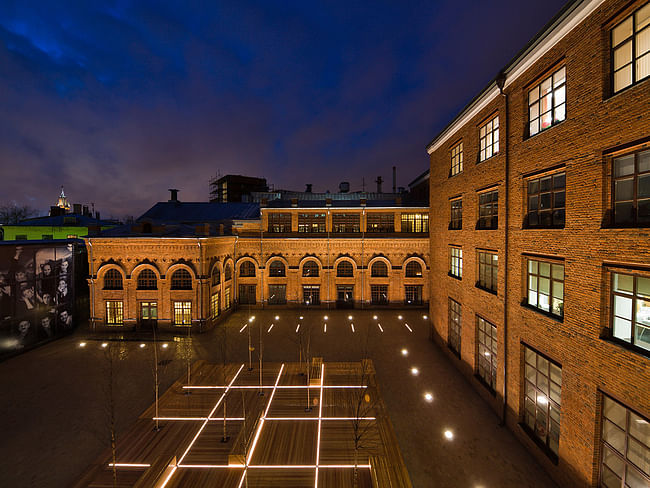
column 120, row 101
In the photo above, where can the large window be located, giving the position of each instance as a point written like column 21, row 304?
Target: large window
column 310, row 269
column 346, row 222
column 147, row 280
column 228, row 272
column 542, row 392
column 456, row 262
column 379, row 294
column 247, row 294
column 114, row 312
column 378, row 269
column 345, row 269
column 113, row 280
column 487, row 352
column 214, row 305
column 454, row 331
column 546, row 286
column 181, row 280
column 415, row 222
column 311, row 294
column 456, row 159
column 344, row 295
column 227, row 298
column 380, row 222
column 277, row 269
column 311, row 222
column 456, row 219
column 148, row 311
column 279, row 222
column 631, row 309
column 413, row 294
column 488, row 210
column 488, row 136
column 488, row 265
column 632, row 189
column 546, row 201
column 277, row 294
column 182, row 313
column 216, row 276
column 630, row 52
column 413, row 269
column 625, row 447
column 247, row 269
column 547, row 103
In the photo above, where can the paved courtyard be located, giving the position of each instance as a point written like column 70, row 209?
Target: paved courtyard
column 55, row 417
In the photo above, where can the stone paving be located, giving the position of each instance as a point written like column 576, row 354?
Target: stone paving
column 55, row 421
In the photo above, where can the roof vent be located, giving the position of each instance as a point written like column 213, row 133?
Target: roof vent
column 344, row 187
column 173, row 197
column 294, row 202
column 308, row 189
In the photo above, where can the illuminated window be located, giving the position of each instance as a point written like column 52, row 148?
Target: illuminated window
column 345, row 269
column 182, row 313
column 631, row 309
column 216, row 276
column 456, row 159
column 415, row 222
column 546, row 286
column 487, row 270
column 346, row 222
column 148, row 310
column 311, row 294
column 181, row 280
column 546, row 201
column 379, row 294
column 456, row 220
column 227, row 299
column 413, row 294
column 147, row 280
column 488, row 210
column 542, row 392
column 247, row 269
column 625, row 447
column 630, row 52
column 632, row 189
column 114, row 312
column 454, row 328
column 379, row 269
column 487, row 352
column 345, row 294
column 413, row 269
column 488, row 136
column 547, row 103
column 311, row 222
column 310, row 269
column 456, row 262
column 276, row 269
column 380, row 222
column 113, row 280
column 214, row 305
column 72, row 236
column 279, row 222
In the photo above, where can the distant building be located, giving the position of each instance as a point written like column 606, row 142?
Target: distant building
column 62, row 202
column 235, row 188
column 66, row 226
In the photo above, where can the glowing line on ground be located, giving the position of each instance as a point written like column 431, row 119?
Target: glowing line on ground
column 271, row 466
column 352, row 325
column 270, row 328
column 243, row 328
column 297, row 328
column 407, row 326
column 380, row 327
column 324, row 327
column 169, row 477
column 128, row 465
column 269, row 387
column 196, row 418
column 320, row 418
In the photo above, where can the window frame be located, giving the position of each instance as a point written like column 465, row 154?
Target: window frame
column 492, row 284
column 415, row 222
column 249, row 267
column 181, row 279
column 383, row 273
column 456, row 262
column 185, row 311
column 456, row 159
column 379, row 294
column 310, row 264
column 312, row 223
column 487, row 373
column 540, row 260
column 313, row 291
column 538, row 194
column 488, row 211
column 553, row 89
column 279, row 222
column 456, row 214
column 346, row 223
column 117, row 312
column 491, row 131
column 215, row 302
column 413, row 294
column 113, row 282
column 633, row 48
column 634, row 297
column 148, row 282
column 277, row 269
column 339, row 274
column 380, row 222
column 408, row 269
column 454, row 324
column 635, row 176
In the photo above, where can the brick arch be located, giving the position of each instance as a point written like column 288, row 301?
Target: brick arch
column 416, row 259
column 379, row 259
column 176, row 266
column 228, row 260
column 308, row 257
column 104, row 267
column 345, row 257
column 242, row 259
column 138, row 268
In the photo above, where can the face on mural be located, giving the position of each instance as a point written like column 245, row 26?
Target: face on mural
column 28, row 293
column 23, row 327
column 64, row 316
column 47, row 269
column 63, row 286
column 46, row 322
column 64, row 266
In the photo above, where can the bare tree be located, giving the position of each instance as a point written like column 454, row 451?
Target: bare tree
column 12, row 213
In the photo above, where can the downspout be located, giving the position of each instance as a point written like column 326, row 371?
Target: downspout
column 198, row 241
column 92, row 285
column 261, row 271
column 329, row 271
column 501, row 79
column 234, row 274
column 363, row 238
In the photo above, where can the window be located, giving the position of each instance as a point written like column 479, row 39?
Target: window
column 379, row 294
column 487, row 270
column 228, row 272
column 415, row 222
column 413, row 294
column 630, row 52
column 487, row 352
column 182, row 313
column 113, row 280
column 311, row 294
column 632, row 189
column 345, row 270
column 546, row 286
column 114, row 312
column 542, row 392
column 488, row 136
column 247, row 294
column 227, row 298
column 247, row 269
column 456, row 262
column 148, row 311
column 456, row 220
column 378, row 269
column 546, row 201
column 214, row 305
column 276, row 269
column 216, row 276
column 488, row 210
column 277, row 294
column 345, row 222
column 625, row 447
column 413, row 269
column 147, row 280
column 311, row 222
column 456, row 159
column 72, row 236
column 310, row 269
column 380, row 222
column 547, row 103
column 453, row 335
column 345, row 294
column 47, row 237
column 21, row 237
column 279, row 222
column 631, row 309
column 181, row 280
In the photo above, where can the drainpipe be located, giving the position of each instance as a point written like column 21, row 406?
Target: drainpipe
column 234, row 274
column 198, row 241
column 260, row 271
column 501, row 79
column 363, row 238
column 92, row 285
column 329, row 271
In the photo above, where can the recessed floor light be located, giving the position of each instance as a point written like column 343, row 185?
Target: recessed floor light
column 349, row 317
column 405, row 352
column 165, row 346
column 415, row 371
column 104, row 344
column 277, row 317
column 142, row 345
column 428, row 397
column 449, row 435
column 82, row 344
column 399, row 317
column 374, row 317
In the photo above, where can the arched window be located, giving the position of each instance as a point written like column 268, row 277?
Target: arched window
column 216, row 276
column 247, row 269
column 310, row 269
column 276, row 268
column 113, row 280
column 181, row 280
column 379, row 268
column 413, row 270
column 228, row 272
column 344, row 269
column 147, row 280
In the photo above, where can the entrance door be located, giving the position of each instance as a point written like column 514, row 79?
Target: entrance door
column 345, row 296
column 148, row 314
column 247, row 294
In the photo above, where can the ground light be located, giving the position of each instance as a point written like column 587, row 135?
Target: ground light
column 301, row 317
column 415, row 371
column 277, row 317
column 165, row 345
column 104, row 344
column 82, row 344
column 142, row 345
column 425, row 317
column 405, row 352
column 400, row 317
column 428, row 397
column 349, row 317
column 374, row 317
column 449, row 435
column 325, row 317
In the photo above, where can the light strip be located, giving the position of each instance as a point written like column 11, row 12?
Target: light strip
column 169, row 477
column 407, row 326
column 243, row 328
column 271, row 466
column 297, row 328
column 279, row 387
column 128, row 465
column 352, row 326
column 380, row 327
column 325, row 327
column 196, row 418
column 320, row 418
column 270, row 328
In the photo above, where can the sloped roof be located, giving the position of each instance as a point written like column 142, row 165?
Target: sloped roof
column 199, row 212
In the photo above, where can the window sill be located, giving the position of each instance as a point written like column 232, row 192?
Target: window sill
column 487, row 228
column 557, row 318
column 492, row 391
column 493, row 292
column 453, row 351
column 480, row 161
column 459, row 278
column 542, row 227
column 450, row 227
column 624, row 345
column 543, row 447
column 613, row 95
column 544, row 131
column 625, row 226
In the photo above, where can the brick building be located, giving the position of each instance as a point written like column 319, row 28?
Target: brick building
column 540, row 246
column 185, row 264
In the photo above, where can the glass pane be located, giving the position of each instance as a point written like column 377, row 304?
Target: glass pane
column 644, row 161
column 560, row 95
column 612, row 461
column 623, row 55
column 634, row 479
column 623, row 282
column 545, row 286
column 639, row 455
column 640, row 428
column 642, row 43
column 546, row 120
column 624, row 166
column 642, row 67
column 530, row 356
column 643, row 214
column 614, row 436
column 624, row 213
column 533, row 111
column 558, row 289
column 559, row 114
column 533, row 95
column 609, row 479
column 545, row 103
column 642, row 17
column 623, row 329
column 545, row 87
column 614, row 411
column 623, row 307
column 555, row 395
column 544, row 269
column 559, row 76
column 623, row 78
column 643, row 286
column 533, row 127
column 622, row 31
column 558, row 199
column 643, row 190
column 556, row 374
column 532, row 266
column 624, row 190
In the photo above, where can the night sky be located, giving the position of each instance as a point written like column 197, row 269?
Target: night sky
column 120, row 102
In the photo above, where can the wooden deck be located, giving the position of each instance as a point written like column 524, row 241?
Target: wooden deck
column 285, row 434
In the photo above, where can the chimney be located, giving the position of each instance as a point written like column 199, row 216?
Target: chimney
column 328, row 202
column 308, row 189
column 173, row 195
column 85, row 211
column 379, row 181
column 76, row 208
column 362, row 202
column 344, row 187
column 97, row 215
column 294, row 202
column 394, row 179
